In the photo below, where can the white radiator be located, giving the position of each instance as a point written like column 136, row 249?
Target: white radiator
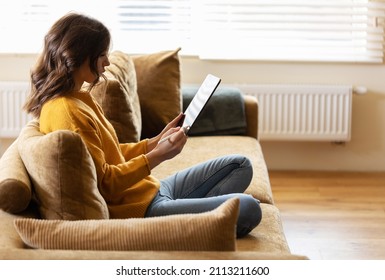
column 286, row 112
column 12, row 116
column 303, row 112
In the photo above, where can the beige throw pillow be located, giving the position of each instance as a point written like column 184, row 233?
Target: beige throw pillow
column 62, row 173
column 119, row 99
column 209, row 231
column 158, row 80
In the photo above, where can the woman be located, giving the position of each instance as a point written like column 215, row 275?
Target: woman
column 75, row 51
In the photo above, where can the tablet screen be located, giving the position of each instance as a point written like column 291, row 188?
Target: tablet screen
column 200, row 99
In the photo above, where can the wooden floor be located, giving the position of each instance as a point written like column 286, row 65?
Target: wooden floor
column 332, row 215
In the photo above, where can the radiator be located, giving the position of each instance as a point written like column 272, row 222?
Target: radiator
column 286, row 112
column 303, row 112
column 12, row 117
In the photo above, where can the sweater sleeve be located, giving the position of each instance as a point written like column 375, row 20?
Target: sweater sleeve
column 130, row 150
column 114, row 179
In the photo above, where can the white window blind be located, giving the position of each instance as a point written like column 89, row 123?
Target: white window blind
column 337, row 30
column 145, row 26
column 273, row 30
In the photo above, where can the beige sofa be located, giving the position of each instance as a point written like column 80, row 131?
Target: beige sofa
column 26, row 172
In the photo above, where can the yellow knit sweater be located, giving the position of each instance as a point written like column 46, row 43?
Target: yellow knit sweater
column 123, row 171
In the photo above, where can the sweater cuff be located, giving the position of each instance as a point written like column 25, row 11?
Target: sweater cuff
column 147, row 164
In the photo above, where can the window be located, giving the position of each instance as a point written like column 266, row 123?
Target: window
column 141, row 26
column 272, row 30
column 331, row 30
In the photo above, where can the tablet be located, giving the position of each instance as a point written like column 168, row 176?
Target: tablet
column 200, row 100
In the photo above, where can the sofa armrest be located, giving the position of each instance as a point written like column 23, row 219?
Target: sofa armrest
column 15, row 185
column 251, row 112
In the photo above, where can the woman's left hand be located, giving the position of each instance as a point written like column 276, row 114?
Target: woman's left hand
column 168, row 129
column 173, row 124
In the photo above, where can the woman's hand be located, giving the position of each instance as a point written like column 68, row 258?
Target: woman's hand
column 153, row 142
column 174, row 141
column 174, row 123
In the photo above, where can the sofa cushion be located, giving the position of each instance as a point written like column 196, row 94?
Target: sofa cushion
column 209, row 231
column 269, row 236
column 62, row 174
column 15, row 186
column 119, row 99
column 213, row 146
column 158, row 79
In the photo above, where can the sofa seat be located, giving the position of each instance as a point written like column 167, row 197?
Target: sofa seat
column 214, row 146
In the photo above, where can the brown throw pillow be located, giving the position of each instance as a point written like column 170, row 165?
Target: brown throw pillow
column 119, row 99
column 62, row 173
column 158, row 80
column 15, row 186
column 209, row 231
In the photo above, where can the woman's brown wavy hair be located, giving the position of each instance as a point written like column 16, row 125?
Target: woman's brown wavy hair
column 68, row 44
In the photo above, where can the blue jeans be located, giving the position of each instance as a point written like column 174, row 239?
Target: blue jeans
column 205, row 186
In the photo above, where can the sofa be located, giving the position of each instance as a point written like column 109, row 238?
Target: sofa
column 50, row 207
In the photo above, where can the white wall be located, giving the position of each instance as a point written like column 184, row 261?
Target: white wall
column 365, row 151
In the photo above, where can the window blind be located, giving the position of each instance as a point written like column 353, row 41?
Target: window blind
column 144, row 26
column 21, row 22
column 271, row 30
column 308, row 30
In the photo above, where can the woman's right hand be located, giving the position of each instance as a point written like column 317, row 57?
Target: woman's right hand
column 164, row 150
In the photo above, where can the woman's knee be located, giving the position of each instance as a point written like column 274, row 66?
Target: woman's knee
column 243, row 161
column 250, row 215
column 246, row 165
column 244, row 169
